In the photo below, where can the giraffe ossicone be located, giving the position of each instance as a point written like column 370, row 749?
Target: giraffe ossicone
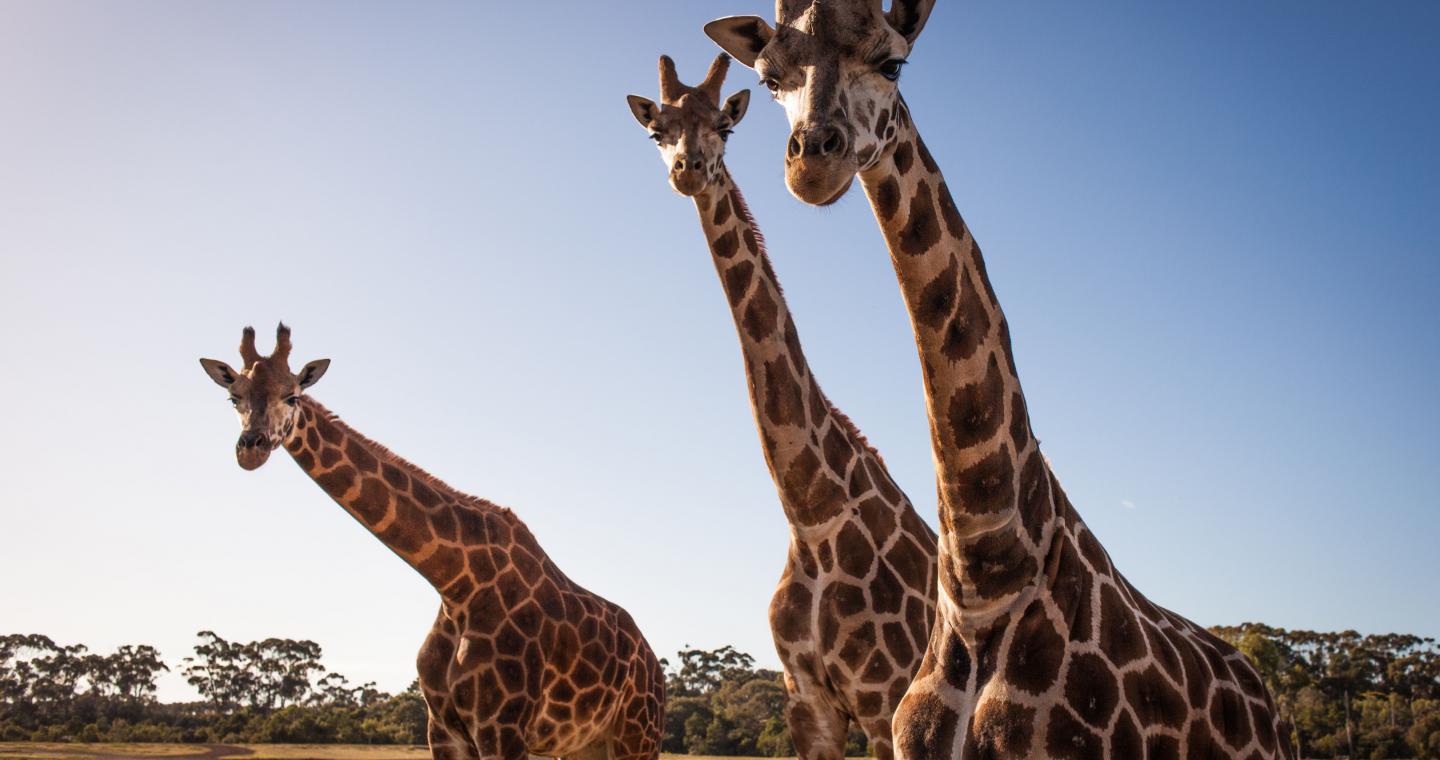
column 520, row 660
column 851, row 615
column 1040, row 647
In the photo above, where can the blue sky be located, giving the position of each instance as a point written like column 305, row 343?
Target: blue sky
column 1212, row 229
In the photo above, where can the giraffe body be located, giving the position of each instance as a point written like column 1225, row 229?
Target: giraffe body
column 1040, row 647
column 520, row 660
column 852, row 613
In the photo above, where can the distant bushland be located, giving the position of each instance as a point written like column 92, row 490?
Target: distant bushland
column 1345, row 694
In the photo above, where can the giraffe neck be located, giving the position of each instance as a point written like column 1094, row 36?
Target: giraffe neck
column 817, row 458
column 425, row 522
column 996, row 515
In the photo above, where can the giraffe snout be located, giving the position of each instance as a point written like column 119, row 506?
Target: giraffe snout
column 251, row 450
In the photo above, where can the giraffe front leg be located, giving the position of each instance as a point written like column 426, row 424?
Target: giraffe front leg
column 819, row 730
column 877, row 733
column 445, row 745
column 494, row 742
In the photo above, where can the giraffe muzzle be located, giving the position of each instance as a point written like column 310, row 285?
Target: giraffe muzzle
column 819, row 163
column 251, row 450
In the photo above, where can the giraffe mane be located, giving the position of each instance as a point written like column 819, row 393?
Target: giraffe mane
column 743, row 209
column 384, row 454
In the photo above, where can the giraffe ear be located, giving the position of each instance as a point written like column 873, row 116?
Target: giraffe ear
column 908, row 17
column 223, row 374
column 644, row 109
column 743, row 37
column 311, row 373
column 735, row 105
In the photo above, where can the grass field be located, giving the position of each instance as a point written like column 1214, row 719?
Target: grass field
column 102, row 751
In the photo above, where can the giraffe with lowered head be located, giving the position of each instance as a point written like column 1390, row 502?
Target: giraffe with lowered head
column 520, row 659
column 853, row 610
column 1040, row 648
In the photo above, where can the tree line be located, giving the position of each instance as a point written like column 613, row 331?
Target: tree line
column 1349, row 695
column 275, row 690
column 1346, row 695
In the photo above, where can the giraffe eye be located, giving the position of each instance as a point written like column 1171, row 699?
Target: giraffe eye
column 234, row 401
column 293, row 400
column 725, row 134
column 771, row 85
column 891, row 68
column 655, row 136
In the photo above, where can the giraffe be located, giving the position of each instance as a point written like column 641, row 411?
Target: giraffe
column 1040, row 647
column 852, row 613
column 520, row 658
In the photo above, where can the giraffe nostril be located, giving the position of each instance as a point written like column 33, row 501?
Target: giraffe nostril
column 793, row 147
column 832, row 143
column 679, row 164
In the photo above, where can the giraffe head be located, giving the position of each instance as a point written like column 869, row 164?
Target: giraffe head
column 690, row 124
column 835, row 67
column 266, row 394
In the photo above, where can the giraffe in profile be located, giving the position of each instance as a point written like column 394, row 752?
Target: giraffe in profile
column 1040, row 648
column 520, row 658
column 852, row 613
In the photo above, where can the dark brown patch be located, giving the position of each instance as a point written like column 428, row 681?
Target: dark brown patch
column 737, row 281
column 910, row 561
column 904, row 157
column 971, row 323
column 1092, row 552
column 722, row 211
column 1197, row 673
column 1125, row 742
column 954, row 224
column 1019, row 421
column 976, row 410
column 897, row 642
column 999, row 730
column 937, row 298
column 859, row 645
column 925, row 157
column 1036, row 651
column 784, row 404
column 1162, row 747
column 337, row 481
column 1069, row 739
column 998, row 564
column 1154, row 700
column 879, row 517
column 922, row 229
column 1091, row 688
column 1035, row 509
column 363, row 460
column 1121, row 639
column 928, row 727
column 1264, row 724
column 760, row 315
column 887, row 199
column 1230, row 716
column 1071, row 589
column 886, row 593
column 955, row 660
column 985, row 487
column 1200, row 744
column 853, row 551
column 725, row 245
column 838, row 451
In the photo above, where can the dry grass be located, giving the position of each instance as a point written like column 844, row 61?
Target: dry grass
column 103, row 751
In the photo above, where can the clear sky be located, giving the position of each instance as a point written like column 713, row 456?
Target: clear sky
column 1212, row 227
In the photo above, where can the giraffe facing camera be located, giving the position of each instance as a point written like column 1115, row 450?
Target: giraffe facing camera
column 521, row 660
column 690, row 125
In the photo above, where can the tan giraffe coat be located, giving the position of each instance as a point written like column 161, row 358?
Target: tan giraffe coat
column 855, row 602
column 520, row 659
column 1040, row 647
